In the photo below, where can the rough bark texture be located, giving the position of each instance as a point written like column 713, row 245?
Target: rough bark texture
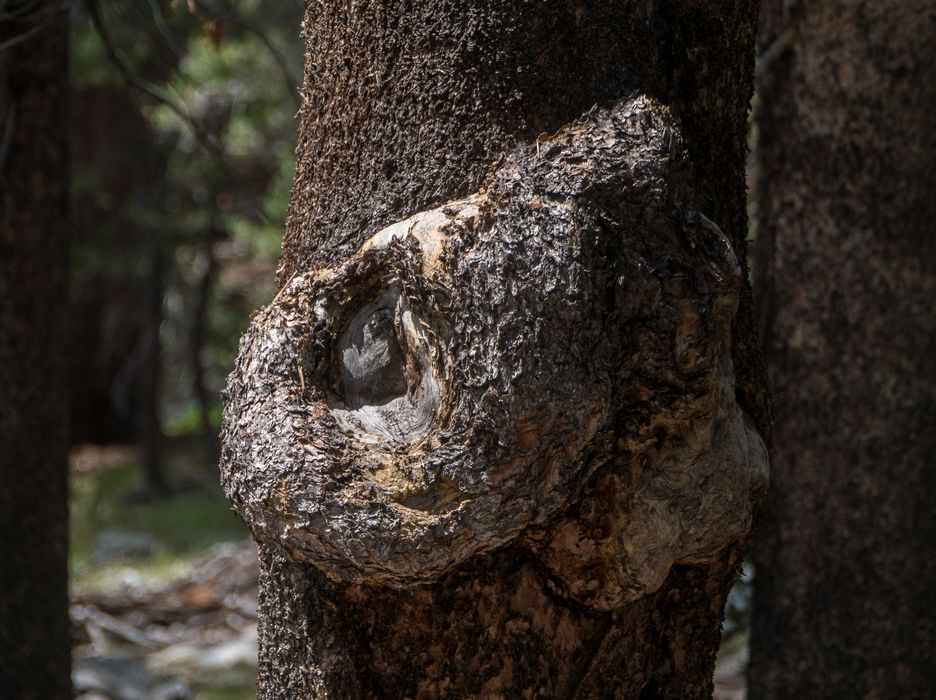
column 34, row 630
column 845, row 594
column 495, row 450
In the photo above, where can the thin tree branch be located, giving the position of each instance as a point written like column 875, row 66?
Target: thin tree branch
column 27, row 11
column 212, row 146
column 215, row 12
column 26, row 15
column 160, row 22
column 19, row 38
column 142, row 85
column 774, row 51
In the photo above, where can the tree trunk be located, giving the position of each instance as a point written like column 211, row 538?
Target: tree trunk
column 494, row 450
column 198, row 332
column 34, row 629
column 845, row 591
column 155, row 479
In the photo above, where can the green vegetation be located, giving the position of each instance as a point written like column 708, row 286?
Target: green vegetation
column 155, row 538
column 225, row 693
column 182, row 132
column 183, row 136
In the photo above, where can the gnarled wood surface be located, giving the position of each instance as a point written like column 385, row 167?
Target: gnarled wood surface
column 458, row 380
column 488, row 432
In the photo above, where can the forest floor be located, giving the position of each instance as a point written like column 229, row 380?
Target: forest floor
column 163, row 591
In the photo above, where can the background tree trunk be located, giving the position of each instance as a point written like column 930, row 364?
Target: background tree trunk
column 153, row 464
column 34, row 628
column 408, row 107
column 845, row 584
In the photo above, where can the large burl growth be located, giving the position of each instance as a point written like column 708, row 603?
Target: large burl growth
column 544, row 365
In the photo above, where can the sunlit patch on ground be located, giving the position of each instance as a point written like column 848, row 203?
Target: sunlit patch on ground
column 163, row 589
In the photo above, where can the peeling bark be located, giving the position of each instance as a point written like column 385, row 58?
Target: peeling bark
column 494, row 448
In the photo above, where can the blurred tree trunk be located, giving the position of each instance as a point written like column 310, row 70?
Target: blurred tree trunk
column 150, row 420
column 407, row 107
column 34, row 629
column 845, row 585
column 198, row 336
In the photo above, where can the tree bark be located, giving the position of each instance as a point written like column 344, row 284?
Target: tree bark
column 508, row 446
column 845, row 585
column 34, row 628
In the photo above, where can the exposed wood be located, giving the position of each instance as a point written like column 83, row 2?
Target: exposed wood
column 489, row 432
column 471, row 368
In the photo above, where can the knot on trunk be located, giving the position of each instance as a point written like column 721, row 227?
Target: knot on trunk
column 388, row 378
column 545, row 364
